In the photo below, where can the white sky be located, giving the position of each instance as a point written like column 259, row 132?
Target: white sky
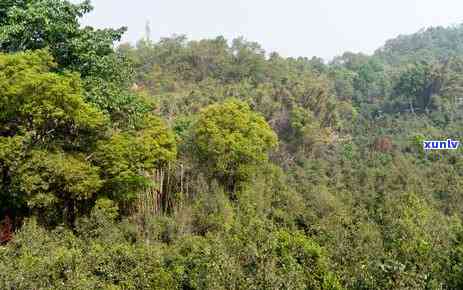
column 323, row 28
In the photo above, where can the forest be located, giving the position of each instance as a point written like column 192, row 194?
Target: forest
column 213, row 164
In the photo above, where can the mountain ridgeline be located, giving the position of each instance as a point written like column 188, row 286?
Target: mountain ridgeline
column 212, row 164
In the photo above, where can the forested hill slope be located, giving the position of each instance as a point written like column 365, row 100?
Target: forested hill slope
column 212, row 164
column 427, row 44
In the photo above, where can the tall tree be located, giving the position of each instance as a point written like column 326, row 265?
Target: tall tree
column 54, row 24
column 231, row 140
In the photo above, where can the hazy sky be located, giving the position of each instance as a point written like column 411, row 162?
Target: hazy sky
column 322, row 28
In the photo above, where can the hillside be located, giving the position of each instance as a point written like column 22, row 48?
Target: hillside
column 212, row 164
column 436, row 43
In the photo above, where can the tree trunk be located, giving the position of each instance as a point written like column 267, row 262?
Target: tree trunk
column 411, row 107
column 69, row 212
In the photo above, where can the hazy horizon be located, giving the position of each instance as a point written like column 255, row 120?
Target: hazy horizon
column 322, row 28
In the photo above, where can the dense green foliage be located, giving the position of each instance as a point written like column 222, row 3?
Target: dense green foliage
column 231, row 140
column 212, row 165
